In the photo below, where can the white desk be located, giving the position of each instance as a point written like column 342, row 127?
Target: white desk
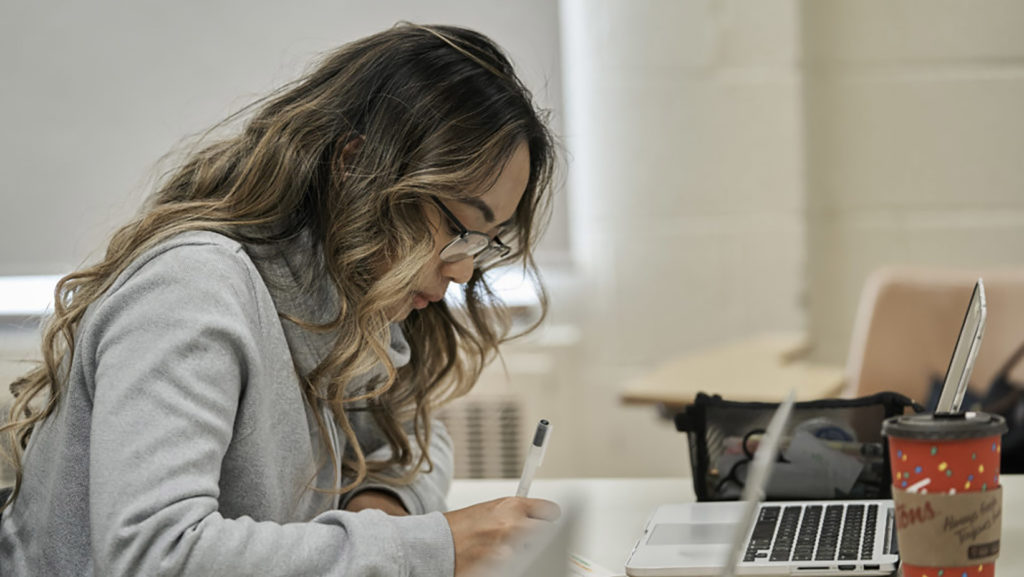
column 613, row 511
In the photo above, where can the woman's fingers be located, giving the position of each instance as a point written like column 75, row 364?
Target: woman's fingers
column 541, row 509
column 492, row 532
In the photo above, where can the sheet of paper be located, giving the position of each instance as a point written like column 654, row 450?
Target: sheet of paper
column 580, row 566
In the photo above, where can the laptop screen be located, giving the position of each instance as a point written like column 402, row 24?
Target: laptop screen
column 757, row 480
column 960, row 365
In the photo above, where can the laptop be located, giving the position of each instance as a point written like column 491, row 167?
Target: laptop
column 814, row 538
column 958, row 375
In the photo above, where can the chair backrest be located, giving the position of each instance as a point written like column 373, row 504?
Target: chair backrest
column 908, row 321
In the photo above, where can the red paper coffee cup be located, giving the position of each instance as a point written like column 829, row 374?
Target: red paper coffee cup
column 945, row 474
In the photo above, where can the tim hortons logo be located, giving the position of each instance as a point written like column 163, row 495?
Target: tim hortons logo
column 907, row 516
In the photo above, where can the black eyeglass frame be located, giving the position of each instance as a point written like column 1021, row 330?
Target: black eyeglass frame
column 481, row 248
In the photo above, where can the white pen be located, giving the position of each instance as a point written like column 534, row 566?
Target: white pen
column 534, row 457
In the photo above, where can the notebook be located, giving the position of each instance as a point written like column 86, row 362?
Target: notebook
column 752, row 537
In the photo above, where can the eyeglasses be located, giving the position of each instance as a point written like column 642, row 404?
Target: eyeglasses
column 484, row 250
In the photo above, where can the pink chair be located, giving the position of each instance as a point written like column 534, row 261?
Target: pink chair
column 908, row 321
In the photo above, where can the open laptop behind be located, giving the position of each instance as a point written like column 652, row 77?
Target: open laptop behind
column 958, row 375
column 832, row 537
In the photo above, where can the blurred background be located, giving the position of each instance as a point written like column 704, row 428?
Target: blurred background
column 732, row 170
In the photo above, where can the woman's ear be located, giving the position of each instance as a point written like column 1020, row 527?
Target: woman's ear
column 351, row 149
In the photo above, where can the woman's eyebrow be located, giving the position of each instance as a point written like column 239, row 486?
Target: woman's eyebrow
column 487, row 212
column 481, row 206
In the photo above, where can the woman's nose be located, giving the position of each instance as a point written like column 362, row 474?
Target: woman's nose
column 459, row 271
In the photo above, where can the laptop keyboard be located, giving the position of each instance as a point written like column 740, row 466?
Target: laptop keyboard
column 843, row 532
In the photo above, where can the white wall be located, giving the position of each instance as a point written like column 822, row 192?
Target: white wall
column 915, row 141
column 96, row 92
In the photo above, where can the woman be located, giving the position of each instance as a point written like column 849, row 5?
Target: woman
column 244, row 384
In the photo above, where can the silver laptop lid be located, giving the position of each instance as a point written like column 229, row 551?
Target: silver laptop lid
column 967, row 344
column 757, row 481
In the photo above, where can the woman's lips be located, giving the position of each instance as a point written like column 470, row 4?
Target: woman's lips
column 421, row 300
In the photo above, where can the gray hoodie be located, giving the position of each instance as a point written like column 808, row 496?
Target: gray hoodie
column 183, row 445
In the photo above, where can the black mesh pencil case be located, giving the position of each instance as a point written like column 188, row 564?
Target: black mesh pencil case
column 832, row 448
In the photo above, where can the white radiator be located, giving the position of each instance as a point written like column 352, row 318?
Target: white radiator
column 488, row 435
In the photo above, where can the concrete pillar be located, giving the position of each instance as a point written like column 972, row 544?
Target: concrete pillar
column 683, row 123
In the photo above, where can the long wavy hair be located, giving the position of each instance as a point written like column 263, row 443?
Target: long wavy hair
column 437, row 111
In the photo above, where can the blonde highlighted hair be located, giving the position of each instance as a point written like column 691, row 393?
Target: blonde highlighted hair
column 437, row 111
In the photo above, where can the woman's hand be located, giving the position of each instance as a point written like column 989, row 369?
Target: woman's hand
column 372, row 499
column 491, row 532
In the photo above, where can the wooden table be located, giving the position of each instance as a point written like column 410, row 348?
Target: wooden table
column 761, row 368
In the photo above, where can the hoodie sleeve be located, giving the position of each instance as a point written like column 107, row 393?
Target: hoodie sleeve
column 175, row 342
column 429, row 489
